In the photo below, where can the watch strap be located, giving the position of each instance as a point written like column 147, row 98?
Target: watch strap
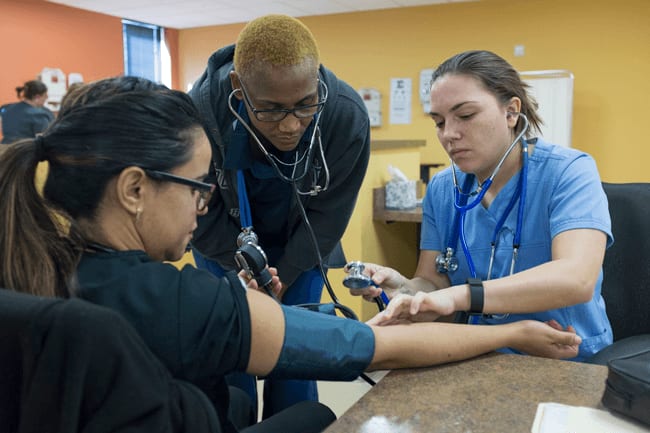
column 476, row 295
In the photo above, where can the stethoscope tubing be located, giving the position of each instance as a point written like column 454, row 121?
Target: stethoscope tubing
column 306, row 156
column 462, row 207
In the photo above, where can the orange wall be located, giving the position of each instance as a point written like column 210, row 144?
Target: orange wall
column 37, row 34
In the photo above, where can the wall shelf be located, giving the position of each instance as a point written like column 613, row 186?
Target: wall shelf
column 396, row 144
column 380, row 213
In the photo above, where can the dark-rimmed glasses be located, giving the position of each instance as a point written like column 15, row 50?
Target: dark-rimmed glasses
column 205, row 190
column 278, row 114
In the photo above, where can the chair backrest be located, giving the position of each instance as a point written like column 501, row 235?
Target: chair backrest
column 626, row 269
column 68, row 365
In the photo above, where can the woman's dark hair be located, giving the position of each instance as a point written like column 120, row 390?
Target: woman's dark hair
column 88, row 146
column 498, row 77
column 85, row 93
column 31, row 89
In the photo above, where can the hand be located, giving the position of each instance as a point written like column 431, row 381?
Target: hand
column 556, row 325
column 548, row 339
column 420, row 307
column 251, row 283
column 385, row 278
column 382, row 320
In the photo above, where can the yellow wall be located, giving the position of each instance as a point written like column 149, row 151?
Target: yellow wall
column 605, row 44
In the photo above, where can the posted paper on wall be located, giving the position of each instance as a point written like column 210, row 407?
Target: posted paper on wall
column 400, row 101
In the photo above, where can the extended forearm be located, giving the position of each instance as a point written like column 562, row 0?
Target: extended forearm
column 425, row 344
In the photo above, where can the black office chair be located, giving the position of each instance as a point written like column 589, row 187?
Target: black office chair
column 626, row 270
column 70, row 366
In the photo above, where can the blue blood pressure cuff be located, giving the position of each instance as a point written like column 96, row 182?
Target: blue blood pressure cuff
column 321, row 346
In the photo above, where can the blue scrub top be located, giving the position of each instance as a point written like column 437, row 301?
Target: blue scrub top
column 564, row 192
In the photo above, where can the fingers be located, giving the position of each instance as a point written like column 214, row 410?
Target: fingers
column 400, row 304
column 378, row 320
column 276, row 283
column 554, row 324
column 564, row 344
column 247, row 279
column 564, row 352
column 544, row 339
column 569, row 339
column 417, row 301
column 368, row 293
column 382, row 320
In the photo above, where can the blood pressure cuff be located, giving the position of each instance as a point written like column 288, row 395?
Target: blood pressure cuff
column 324, row 347
column 627, row 389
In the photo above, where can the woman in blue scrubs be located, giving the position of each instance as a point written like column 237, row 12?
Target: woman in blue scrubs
column 525, row 222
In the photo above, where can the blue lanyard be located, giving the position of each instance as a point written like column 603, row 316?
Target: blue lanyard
column 245, row 218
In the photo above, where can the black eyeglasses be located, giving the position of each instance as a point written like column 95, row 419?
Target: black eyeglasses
column 277, row 114
column 205, row 189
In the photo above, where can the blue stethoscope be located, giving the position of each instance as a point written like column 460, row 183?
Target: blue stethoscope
column 447, row 262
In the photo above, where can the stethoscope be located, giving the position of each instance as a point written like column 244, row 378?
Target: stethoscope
column 446, row 262
column 247, row 234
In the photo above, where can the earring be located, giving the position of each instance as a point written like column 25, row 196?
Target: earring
column 138, row 212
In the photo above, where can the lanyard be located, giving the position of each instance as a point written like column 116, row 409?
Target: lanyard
column 245, row 218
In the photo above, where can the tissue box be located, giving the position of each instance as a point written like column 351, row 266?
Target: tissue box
column 400, row 195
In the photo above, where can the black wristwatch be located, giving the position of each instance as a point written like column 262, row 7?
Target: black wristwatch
column 475, row 295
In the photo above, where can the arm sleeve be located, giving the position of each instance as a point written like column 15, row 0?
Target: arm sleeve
column 337, row 348
column 215, row 330
column 579, row 201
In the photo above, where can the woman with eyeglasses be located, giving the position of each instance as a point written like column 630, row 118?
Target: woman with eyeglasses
column 127, row 181
column 286, row 133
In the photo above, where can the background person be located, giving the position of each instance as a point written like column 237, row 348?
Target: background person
column 545, row 201
column 28, row 117
column 270, row 94
column 128, row 172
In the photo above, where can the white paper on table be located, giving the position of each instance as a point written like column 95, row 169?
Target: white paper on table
column 562, row 418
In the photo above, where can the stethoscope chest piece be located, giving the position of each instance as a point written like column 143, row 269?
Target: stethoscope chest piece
column 356, row 279
column 447, row 262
